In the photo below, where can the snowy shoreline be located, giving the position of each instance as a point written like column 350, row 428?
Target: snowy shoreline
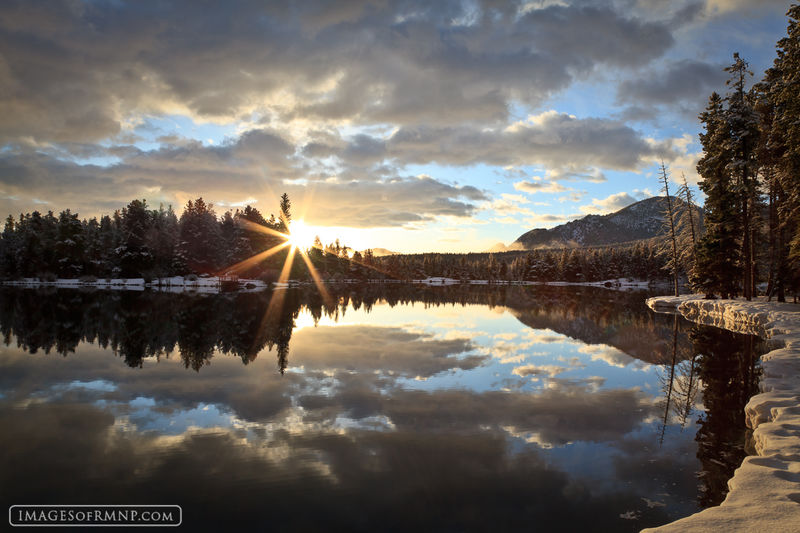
column 215, row 284
column 171, row 284
column 765, row 490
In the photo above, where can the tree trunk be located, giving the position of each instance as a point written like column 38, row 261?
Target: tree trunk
column 671, row 227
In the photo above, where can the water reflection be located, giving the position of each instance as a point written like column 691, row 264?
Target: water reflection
column 136, row 325
column 730, row 376
column 397, row 407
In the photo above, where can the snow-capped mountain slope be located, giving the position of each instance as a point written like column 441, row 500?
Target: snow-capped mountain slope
column 642, row 220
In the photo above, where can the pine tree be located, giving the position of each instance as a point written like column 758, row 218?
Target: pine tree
column 286, row 213
column 162, row 240
column 70, row 245
column 786, row 134
column 717, row 269
column 8, row 248
column 742, row 140
column 198, row 248
column 134, row 255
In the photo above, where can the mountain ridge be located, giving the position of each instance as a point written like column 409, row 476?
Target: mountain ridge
column 642, row 220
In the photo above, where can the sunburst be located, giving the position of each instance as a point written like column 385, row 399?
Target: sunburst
column 299, row 240
column 301, row 235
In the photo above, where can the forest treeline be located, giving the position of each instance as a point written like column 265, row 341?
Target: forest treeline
column 138, row 241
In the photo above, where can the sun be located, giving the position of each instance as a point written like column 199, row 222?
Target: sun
column 300, row 235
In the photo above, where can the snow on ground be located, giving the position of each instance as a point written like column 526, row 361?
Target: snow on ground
column 173, row 284
column 765, row 490
column 437, row 281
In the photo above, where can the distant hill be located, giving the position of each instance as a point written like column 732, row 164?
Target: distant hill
column 639, row 221
column 378, row 252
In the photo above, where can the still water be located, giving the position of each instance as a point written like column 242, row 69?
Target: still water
column 385, row 408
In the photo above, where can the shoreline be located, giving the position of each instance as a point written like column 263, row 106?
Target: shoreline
column 171, row 284
column 213, row 285
column 764, row 492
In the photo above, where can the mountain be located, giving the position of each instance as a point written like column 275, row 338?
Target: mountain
column 638, row 221
column 379, row 252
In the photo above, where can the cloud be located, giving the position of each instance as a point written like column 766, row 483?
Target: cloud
column 609, row 204
column 718, row 7
column 539, row 370
column 84, row 71
column 85, row 446
column 610, row 355
column 384, row 349
column 258, row 164
column 687, row 80
column 682, row 86
column 539, row 186
column 555, row 140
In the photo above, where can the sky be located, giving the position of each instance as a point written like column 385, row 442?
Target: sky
column 414, row 126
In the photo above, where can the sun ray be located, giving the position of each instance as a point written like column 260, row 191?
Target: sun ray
column 301, row 235
column 276, row 300
column 252, row 226
column 297, row 242
column 275, row 304
column 326, row 297
column 243, row 266
column 371, row 267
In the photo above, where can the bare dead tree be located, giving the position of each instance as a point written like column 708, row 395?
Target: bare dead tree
column 671, row 218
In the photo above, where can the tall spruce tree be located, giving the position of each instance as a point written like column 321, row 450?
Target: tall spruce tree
column 134, row 255
column 771, row 146
column 717, row 270
column 742, row 141
column 200, row 238
column 786, row 130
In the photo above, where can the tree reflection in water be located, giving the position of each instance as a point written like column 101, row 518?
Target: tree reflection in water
column 730, row 376
column 137, row 325
column 726, row 365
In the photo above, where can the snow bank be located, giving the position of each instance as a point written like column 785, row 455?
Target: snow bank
column 173, row 284
column 437, row 281
column 765, row 490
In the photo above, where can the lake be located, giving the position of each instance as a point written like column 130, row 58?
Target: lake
column 380, row 408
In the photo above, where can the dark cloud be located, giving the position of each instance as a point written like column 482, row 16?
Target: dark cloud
column 260, row 163
column 389, row 481
column 687, row 81
column 555, row 140
column 393, row 202
column 582, row 36
column 385, row 349
column 80, row 71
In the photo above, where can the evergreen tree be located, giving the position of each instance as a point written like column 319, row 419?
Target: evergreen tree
column 286, row 213
column 742, row 140
column 200, row 239
column 162, row 240
column 717, row 269
column 8, row 248
column 70, row 245
column 134, row 255
column 785, row 133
